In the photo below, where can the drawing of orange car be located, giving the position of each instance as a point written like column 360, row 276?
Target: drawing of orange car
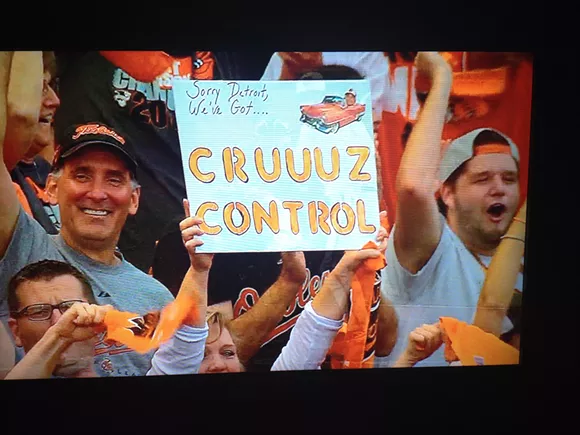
column 331, row 113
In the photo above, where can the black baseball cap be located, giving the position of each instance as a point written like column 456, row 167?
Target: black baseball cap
column 80, row 136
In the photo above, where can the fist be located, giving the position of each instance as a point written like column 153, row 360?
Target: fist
column 293, row 267
column 423, row 341
column 431, row 63
column 81, row 322
column 190, row 232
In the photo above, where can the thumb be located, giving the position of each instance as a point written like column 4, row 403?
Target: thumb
column 353, row 259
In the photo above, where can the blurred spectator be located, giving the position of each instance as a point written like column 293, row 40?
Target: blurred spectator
column 31, row 172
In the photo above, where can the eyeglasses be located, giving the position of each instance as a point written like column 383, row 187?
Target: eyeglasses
column 39, row 312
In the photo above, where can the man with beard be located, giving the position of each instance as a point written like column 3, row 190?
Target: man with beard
column 450, row 217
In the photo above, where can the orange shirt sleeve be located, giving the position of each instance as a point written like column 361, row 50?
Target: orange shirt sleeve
column 22, row 199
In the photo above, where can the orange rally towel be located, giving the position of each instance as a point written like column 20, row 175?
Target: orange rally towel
column 348, row 348
column 144, row 333
column 473, row 346
column 146, row 66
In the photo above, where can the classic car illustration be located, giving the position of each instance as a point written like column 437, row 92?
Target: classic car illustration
column 332, row 113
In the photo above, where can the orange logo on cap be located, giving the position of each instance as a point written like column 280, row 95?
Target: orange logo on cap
column 96, row 129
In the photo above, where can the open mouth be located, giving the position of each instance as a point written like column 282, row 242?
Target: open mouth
column 45, row 119
column 496, row 211
column 93, row 212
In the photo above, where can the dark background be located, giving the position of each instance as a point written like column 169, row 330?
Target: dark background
column 460, row 400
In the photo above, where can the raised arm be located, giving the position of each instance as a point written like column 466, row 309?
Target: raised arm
column 500, row 279
column 23, row 104
column 252, row 328
column 24, row 65
column 5, row 62
column 322, row 318
column 418, row 225
column 183, row 353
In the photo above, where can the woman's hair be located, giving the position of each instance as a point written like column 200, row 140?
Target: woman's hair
column 216, row 317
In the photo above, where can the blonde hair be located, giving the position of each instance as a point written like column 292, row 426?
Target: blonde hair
column 218, row 318
column 213, row 318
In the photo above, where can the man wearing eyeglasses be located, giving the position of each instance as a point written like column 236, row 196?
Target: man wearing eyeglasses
column 55, row 319
column 93, row 180
column 39, row 296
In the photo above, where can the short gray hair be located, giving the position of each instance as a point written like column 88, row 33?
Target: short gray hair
column 57, row 172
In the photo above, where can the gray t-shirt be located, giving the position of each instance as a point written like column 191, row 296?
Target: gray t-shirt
column 123, row 286
column 448, row 285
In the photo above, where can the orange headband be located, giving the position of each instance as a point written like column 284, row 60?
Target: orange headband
column 492, row 149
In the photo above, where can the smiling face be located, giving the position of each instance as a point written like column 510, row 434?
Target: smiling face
column 220, row 354
column 95, row 196
column 484, row 198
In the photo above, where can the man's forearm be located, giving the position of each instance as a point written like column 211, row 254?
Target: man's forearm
column 500, row 280
column 252, row 328
column 41, row 360
column 420, row 161
column 387, row 328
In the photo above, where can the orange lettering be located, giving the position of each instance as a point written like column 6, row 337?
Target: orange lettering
column 201, row 210
column 350, row 218
column 363, row 154
column 96, row 129
column 228, row 218
column 335, row 159
column 293, row 207
column 272, row 219
column 323, row 217
column 306, row 156
column 362, row 225
column 312, row 217
column 236, row 168
column 195, row 155
column 268, row 177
